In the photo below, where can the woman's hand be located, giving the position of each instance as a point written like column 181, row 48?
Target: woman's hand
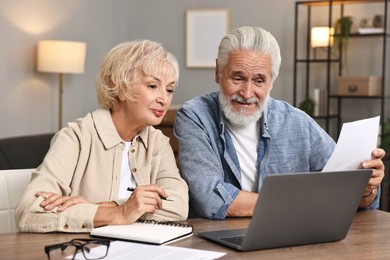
column 144, row 199
column 53, row 200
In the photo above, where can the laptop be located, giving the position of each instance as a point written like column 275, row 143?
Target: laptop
column 299, row 209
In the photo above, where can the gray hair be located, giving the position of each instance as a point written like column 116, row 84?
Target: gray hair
column 123, row 64
column 251, row 39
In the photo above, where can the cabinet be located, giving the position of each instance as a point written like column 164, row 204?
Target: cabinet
column 166, row 127
column 318, row 68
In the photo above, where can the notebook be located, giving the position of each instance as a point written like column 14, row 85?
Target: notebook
column 299, row 209
column 151, row 232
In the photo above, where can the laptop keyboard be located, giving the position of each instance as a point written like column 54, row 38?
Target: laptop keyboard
column 234, row 240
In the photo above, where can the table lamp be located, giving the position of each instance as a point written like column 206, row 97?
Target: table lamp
column 321, row 37
column 61, row 57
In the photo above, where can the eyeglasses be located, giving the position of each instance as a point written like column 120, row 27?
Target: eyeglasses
column 67, row 249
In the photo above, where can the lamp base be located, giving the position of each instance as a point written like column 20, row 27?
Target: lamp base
column 61, row 90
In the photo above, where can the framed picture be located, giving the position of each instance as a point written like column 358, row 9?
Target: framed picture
column 204, row 31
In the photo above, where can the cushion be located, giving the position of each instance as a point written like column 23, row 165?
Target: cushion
column 12, row 185
column 24, row 152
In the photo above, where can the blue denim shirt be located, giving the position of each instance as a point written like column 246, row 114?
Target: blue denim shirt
column 290, row 141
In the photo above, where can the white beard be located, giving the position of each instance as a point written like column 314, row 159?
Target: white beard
column 240, row 117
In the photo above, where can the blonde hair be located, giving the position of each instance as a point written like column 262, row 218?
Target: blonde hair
column 123, row 63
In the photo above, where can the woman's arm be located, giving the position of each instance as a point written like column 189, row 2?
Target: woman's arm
column 144, row 199
column 54, row 175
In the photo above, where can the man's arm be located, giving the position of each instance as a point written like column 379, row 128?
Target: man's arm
column 243, row 205
column 201, row 163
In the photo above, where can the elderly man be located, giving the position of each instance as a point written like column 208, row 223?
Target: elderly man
column 231, row 139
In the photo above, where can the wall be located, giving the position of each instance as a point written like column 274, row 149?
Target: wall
column 29, row 99
column 170, row 30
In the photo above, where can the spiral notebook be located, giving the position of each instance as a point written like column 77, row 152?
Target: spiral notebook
column 146, row 231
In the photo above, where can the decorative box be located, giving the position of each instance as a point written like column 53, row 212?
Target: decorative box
column 359, row 86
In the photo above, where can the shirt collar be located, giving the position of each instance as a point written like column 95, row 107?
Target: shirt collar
column 264, row 120
column 143, row 136
column 105, row 128
column 107, row 132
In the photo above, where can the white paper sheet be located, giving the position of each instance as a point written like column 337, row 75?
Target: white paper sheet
column 356, row 142
column 121, row 250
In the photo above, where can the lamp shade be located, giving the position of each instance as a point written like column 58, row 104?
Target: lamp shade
column 61, row 56
column 320, row 36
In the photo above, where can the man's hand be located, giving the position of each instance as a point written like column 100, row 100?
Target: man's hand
column 376, row 178
column 243, row 205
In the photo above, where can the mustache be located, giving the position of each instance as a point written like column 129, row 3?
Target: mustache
column 240, row 99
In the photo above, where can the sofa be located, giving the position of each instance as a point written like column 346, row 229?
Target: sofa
column 28, row 151
column 24, row 152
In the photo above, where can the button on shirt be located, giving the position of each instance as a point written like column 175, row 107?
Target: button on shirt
column 127, row 178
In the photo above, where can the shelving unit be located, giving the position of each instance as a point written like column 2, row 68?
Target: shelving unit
column 304, row 60
column 328, row 66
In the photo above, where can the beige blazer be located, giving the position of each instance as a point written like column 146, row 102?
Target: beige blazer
column 84, row 159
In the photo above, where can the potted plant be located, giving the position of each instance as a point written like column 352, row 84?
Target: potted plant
column 307, row 105
column 385, row 145
column 342, row 30
column 385, row 137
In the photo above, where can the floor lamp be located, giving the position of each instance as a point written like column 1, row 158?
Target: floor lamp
column 61, row 57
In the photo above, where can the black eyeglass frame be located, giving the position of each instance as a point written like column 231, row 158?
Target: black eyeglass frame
column 79, row 244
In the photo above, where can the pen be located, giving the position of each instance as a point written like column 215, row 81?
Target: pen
column 161, row 197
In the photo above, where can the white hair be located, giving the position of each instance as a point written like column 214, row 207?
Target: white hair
column 251, row 39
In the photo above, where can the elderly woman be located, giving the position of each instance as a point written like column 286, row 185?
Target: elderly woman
column 112, row 167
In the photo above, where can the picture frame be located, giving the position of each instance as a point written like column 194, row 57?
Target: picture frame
column 204, row 30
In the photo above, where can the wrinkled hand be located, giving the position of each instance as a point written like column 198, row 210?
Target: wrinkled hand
column 378, row 170
column 53, row 200
column 144, row 199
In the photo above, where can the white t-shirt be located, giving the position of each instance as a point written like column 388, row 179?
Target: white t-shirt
column 246, row 140
column 127, row 178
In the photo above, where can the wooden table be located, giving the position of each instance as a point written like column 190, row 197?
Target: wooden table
column 368, row 238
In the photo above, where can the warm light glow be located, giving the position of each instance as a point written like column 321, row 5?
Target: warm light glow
column 320, row 36
column 61, row 56
column 38, row 17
